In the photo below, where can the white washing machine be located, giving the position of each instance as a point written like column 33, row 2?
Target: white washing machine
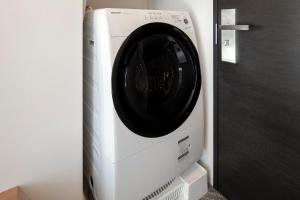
column 143, row 101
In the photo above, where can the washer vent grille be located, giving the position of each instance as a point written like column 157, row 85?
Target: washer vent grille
column 177, row 194
column 159, row 190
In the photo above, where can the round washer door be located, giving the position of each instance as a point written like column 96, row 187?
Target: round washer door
column 156, row 80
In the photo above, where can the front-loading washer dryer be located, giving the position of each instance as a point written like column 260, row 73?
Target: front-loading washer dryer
column 143, row 101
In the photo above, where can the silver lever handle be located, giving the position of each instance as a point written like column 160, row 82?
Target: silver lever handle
column 235, row 27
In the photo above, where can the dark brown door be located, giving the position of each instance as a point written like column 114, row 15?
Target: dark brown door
column 258, row 104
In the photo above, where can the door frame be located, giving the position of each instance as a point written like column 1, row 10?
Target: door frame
column 216, row 54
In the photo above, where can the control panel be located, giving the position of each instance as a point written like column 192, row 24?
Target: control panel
column 153, row 16
column 132, row 19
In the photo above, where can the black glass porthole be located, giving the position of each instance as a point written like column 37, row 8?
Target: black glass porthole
column 156, row 80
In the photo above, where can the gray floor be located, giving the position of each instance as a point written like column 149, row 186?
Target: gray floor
column 213, row 195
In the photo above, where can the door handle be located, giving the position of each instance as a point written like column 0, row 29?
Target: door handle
column 235, row 27
column 228, row 29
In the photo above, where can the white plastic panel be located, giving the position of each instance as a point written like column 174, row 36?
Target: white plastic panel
column 122, row 23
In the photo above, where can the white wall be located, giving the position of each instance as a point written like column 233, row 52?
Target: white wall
column 117, row 3
column 41, row 98
column 202, row 15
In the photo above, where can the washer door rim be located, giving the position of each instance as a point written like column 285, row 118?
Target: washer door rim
column 130, row 119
